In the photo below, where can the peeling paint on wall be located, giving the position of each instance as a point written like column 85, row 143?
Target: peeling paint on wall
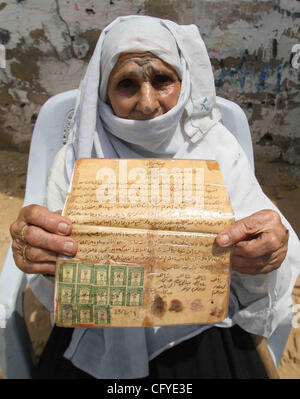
column 49, row 43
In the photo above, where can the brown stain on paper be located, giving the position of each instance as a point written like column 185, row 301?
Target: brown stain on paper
column 176, row 306
column 158, row 307
column 147, row 322
column 212, row 165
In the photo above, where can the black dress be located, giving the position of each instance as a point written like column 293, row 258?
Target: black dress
column 226, row 353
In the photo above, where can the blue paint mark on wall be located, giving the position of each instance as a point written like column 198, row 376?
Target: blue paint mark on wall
column 223, row 74
column 267, row 78
column 243, row 73
column 278, row 78
column 262, row 78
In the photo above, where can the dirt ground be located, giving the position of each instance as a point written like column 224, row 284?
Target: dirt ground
column 280, row 181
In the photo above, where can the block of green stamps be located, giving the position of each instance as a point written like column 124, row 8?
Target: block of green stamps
column 117, row 296
column 134, row 296
column 101, row 275
column 67, row 273
column 100, row 295
column 135, row 276
column 66, row 293
column 85, row 314
column 118, row 275
column 85, row 273
column 84, row 294
column 101, row 315
column 67, row 314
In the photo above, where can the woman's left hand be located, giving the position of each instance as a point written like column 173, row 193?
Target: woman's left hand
column 259, row 241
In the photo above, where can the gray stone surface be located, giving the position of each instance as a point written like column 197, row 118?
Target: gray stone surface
column 49, row 43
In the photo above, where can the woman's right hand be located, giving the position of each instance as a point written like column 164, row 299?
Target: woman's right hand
column 38, row 237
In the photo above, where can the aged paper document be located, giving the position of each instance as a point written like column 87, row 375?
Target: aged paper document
column 147, row 255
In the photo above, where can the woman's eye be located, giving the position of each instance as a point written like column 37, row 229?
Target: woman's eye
column 126, row 84
column 161, row 80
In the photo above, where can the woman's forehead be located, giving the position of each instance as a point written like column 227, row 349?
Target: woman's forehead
column 140, row 59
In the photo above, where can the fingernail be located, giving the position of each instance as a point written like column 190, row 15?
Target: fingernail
column 63, row 228
column 224, row 239
column 68, row 247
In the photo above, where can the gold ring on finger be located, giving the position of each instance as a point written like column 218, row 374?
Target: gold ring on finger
column 23, row 231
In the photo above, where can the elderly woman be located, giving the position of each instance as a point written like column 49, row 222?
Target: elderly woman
column 149, row 92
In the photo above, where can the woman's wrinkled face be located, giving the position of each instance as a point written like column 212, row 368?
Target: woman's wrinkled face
column 141, row 86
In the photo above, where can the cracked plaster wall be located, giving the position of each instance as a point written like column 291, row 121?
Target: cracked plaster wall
column 49, row 42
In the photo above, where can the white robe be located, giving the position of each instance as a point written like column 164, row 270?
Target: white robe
column 258, row 303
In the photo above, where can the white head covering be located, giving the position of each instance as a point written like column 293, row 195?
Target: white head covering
column 94, row 123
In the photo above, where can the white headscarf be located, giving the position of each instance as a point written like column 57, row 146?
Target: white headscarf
column 94, row 123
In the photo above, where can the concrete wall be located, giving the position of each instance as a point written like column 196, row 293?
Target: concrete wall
column 49, row 42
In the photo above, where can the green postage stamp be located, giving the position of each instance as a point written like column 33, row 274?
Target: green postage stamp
column 85, row 293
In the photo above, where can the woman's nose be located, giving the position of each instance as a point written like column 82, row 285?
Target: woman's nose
column 148, row 102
